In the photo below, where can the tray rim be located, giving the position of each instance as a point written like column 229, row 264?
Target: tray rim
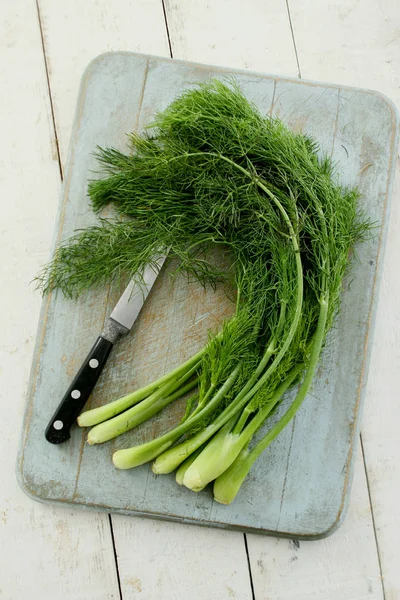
column 367, row 346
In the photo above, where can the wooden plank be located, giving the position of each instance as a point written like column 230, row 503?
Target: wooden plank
column 68, row 347
column 183, row 29
column 255, row 37
column 358, row 44
column 55, row 552
column 139, row 26
column 353, row 129
column 75, row 33
column 344, row 566
column 169, row 561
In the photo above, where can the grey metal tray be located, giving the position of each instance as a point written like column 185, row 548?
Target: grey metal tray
column 300, row 486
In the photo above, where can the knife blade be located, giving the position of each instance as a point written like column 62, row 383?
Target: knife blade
column 119, row 323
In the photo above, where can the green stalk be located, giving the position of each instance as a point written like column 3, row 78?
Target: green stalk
column 223, row 449
column 305, row 386
column 293, row 239
column 185, row 465
column 138, row 455
column 102, row 413
column 246, row 412
column 227, row 485
column 269, row 352
column 141, row 412
column 203, row 400
column 168, row 461
column 252, row 386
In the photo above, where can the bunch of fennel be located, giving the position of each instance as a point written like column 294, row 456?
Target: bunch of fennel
column 211, row 171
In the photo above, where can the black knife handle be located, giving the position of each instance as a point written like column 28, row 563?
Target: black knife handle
column 58, row 429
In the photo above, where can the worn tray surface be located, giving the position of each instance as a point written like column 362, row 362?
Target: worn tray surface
column 300, row 486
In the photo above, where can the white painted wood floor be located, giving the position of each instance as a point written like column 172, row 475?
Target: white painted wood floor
column 53, row 553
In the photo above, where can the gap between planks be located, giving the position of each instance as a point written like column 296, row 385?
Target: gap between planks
column 167, row 28
column 46, row 67
column 293, row 38
column 115, row 556
column 249, row 566
column 378, row 554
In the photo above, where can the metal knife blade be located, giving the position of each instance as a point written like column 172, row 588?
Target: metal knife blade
column 118, row 323
column 129, row 305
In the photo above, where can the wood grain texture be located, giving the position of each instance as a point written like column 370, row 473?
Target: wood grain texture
column 46, row 552
column 75, row 33
column 344, row 566
column 169, row 561
column 279, row 501
column 69, row 346
column 358, row 43
column 257, row 37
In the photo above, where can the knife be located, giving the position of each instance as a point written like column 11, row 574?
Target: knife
column 119, row 323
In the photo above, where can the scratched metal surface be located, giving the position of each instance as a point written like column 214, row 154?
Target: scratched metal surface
column 300, row 486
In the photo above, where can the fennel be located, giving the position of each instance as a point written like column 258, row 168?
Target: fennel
column 211, row 171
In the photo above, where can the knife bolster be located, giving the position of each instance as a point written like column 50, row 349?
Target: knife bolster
column 113, row 330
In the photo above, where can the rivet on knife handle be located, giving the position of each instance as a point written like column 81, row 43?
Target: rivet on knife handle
column 58, row 429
